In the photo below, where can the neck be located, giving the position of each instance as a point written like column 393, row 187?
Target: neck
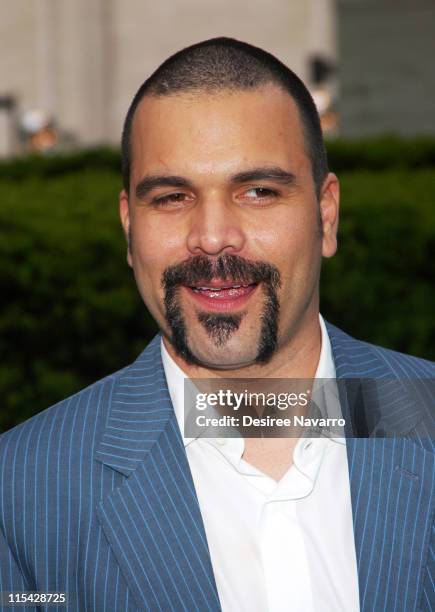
column 297, row 357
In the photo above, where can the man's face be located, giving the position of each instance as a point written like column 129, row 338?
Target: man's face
column 224, row 223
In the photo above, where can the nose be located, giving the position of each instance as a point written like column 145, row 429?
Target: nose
column 215, row 228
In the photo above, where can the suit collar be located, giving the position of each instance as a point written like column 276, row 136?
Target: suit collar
column 377, row 402
column 153, row 521
column 140, row 409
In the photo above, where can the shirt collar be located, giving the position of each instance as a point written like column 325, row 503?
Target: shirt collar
column 175, row 375
column 325, row 367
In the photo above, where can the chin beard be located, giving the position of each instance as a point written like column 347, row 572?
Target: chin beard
column 221, row 327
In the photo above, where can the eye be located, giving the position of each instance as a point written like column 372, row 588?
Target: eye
column 259, row 194
column 170, row 199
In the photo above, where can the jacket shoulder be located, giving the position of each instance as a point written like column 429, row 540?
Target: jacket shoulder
column 415, row 366
column 70, row 429
column 81, row 414
column 393, row 363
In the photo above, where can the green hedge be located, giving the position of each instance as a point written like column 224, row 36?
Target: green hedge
column 385, row 152
column 71, row 310
column 380, row 285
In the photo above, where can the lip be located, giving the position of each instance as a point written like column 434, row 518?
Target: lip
column 221, row 297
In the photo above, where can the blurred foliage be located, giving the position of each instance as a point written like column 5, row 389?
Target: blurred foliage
column 370, row 154
column 380, row 286
column 71, row 312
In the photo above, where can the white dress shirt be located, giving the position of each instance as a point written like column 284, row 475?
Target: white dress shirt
column 275, row 546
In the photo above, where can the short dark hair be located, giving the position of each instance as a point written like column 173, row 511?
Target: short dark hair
column 225, row 63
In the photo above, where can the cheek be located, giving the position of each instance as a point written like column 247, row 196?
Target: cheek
column 285, row 240
column 154, row 245
column 294, row 247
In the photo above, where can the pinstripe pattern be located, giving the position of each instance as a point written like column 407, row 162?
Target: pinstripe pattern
column 97, row 499
column 391, row 487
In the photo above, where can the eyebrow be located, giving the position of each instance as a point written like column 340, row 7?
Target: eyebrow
column 270, row 173
column 148, row 183
column 266, row 173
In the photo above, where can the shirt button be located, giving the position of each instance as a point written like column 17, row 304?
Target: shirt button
column 221, row 441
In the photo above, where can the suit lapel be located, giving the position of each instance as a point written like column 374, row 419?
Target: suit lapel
column 153, row 521
column 391, row 490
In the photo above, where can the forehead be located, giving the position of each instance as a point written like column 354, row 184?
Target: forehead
column 217, row 132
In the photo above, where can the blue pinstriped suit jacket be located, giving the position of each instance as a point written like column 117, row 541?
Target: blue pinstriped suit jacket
column 96, row 498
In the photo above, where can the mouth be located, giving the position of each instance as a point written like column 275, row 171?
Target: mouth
column 221, row 295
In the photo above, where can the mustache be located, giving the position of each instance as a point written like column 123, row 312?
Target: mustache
column 200, row 268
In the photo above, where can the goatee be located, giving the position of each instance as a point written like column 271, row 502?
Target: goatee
column 221, row 327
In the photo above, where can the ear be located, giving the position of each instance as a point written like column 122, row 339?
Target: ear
column 124, row 213
column 329, row 206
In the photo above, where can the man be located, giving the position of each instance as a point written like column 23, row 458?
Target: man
column 228, row 208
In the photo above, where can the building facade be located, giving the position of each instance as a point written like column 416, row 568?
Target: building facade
column 79, row 62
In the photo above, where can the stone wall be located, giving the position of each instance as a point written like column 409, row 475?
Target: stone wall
column 387, row 76
column 82, row 60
